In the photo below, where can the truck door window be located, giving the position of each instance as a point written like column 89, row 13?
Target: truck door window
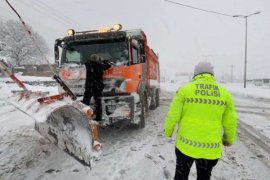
column 135, row 56
column 142, row 51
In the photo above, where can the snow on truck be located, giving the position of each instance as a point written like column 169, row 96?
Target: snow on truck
column 131, row 85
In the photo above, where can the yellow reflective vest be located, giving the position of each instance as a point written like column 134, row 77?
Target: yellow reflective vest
column 201, row 108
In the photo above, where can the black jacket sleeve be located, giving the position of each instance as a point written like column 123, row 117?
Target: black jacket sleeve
column 105, row 65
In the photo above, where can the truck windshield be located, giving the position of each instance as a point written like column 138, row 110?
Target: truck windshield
column 79, row 53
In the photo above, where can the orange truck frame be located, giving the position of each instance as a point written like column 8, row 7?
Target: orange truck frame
column 131, row 85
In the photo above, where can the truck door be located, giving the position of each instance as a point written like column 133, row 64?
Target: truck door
column 137, row 58
column 134, row 52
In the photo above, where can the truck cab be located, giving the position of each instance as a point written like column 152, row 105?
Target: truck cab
column 131, row 84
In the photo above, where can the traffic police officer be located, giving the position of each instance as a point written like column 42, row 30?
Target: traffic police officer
column 200, row 109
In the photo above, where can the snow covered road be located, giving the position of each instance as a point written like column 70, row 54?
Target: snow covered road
column 130, row 153
column 254, row 127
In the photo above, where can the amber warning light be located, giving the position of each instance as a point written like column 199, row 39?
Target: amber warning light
column 115, row 27
column 70, row 32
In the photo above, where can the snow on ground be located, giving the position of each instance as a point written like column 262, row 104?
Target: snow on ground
column 130, row 153
column 27, row 78
column 251, row 91
column 5, row 89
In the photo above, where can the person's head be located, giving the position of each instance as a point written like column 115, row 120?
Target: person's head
column 203, row 67
column 95, row 58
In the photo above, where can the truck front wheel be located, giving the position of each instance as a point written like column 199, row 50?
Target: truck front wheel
column 154, row 101
column 143, row 110
column 157, row 99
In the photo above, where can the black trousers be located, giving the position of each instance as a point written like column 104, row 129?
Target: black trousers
column 96, row 93
column 183, row 164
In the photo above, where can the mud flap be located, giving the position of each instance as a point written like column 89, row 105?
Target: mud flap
column 69, row 129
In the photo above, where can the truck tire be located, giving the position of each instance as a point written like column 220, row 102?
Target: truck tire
column 153, row 103
column 157, row 99
column 146, row 103
column 143, row 111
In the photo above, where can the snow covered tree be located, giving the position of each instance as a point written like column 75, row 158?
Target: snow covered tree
column 17, row 46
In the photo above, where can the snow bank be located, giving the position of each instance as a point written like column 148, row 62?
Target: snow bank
column 7, row 88
column 27, row 78
column 235, row 88
column 249, row 91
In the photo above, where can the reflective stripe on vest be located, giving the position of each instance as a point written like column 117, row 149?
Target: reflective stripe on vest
column 205, row 101
column 199, row 144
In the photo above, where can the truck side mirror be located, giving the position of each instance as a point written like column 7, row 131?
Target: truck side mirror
column 142, row 58
column 56, row 52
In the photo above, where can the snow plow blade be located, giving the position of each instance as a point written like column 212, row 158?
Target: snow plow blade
column 65, row 122
column 59, row 118
column 68, row 128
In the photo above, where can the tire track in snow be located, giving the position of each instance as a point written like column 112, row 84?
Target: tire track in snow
column 252, row 112
column 252, row 107
column 140, row 142
column 258, row 139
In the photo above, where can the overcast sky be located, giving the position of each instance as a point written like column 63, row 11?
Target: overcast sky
column 181, row 36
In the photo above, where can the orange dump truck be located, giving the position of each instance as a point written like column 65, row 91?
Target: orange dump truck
column 131, row 85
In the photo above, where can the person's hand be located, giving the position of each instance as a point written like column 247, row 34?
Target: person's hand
column 108, row 62
column 225, row 143
column 105, row 61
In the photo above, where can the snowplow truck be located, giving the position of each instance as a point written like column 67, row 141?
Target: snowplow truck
column 131, row 84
